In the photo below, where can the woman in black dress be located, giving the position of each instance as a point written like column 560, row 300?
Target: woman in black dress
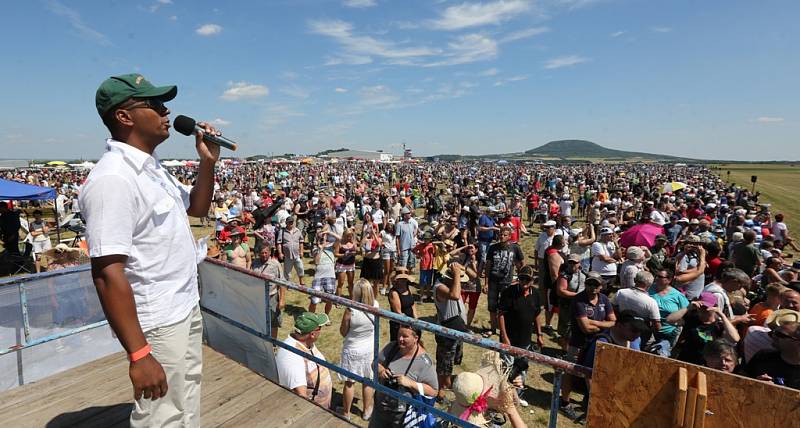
column 401, row 301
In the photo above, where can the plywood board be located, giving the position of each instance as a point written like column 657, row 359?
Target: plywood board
column 638, row 390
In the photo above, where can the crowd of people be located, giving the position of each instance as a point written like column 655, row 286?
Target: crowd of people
column 711, row 284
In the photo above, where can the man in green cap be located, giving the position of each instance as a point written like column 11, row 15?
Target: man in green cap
column 143, row 253
column 306, row 378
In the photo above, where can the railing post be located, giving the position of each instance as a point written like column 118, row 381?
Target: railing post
column 26, row 324
column 556, row 397
column 268, row 310
column 376, row 347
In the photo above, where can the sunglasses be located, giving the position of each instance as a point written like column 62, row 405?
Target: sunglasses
column 151, row 103
column 663, row 276
column 782, row 335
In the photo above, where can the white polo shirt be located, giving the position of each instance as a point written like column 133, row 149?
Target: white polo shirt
column 134, row 207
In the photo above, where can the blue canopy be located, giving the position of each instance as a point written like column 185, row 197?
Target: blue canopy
column 20, row 191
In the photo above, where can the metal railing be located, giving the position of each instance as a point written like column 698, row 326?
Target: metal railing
column 560, row 366
column 20, row 282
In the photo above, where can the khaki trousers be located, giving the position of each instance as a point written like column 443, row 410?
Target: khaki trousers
column 179, row 349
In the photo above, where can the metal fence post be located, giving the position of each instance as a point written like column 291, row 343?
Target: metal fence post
column 555, row 399
column 267, row 306
column 376, row 347
column 26, row 324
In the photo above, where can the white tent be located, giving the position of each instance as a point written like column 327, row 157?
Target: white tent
column 171, row 163
column 83, row 165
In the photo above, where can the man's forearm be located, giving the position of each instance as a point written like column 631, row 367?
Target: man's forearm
column 116, row 298
column 203, row 190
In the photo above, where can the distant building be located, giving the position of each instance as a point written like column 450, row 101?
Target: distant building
column 360, row 155
column 13, row 163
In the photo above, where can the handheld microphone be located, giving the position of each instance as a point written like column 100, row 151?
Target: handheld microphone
column 188, row 126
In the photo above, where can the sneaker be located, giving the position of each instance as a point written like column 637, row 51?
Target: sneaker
column 569, row 411
column 523, row 402
column 366, row 415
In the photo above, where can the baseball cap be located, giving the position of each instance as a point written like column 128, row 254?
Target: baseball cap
column 574, row 258
column 595, row 277
column 526, row 272
column 405, row 210
column 308, row 321
column 114, row 90
column 694, row 239
column 707, row 299
column 290, row 220
column 549, row 223
column 661, row 237
column 606, row 231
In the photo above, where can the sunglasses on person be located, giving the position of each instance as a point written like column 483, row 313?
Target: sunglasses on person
column 663, row 276
column 151, row 103
column 782, row 335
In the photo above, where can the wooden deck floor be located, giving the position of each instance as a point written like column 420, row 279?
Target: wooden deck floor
column 99, row 394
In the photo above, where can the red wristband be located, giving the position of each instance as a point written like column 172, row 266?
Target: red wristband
column 141, row 353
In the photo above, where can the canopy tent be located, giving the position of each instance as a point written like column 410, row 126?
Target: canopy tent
column 14, row 191
column 56, row 163
column 83, row 165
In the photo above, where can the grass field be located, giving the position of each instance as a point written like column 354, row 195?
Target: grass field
column 779, row 185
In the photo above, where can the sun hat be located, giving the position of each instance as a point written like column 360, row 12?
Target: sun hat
column 782, row 316
column 574, row 258
column 549, row 223
column 694, row 221
column 115, row 90
column 469, row 391
column 308, row 321
column 526, row 272
column 683, row 220
column 606, row 231
column 63, row 248
column 448, row 273
column 694, row 239
column 405, row 210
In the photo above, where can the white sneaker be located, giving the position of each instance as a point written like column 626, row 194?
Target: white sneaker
column 523, row 403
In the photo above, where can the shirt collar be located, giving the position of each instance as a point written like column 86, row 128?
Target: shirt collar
column 137, row 158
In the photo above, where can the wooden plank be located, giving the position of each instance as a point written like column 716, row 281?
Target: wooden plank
column 702, row 399
column 680, row 397
column 60, row 382
column 270, row 407
column 691, row 402
column 637, row 390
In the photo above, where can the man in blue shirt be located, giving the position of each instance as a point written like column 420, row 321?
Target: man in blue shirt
column 486, row 231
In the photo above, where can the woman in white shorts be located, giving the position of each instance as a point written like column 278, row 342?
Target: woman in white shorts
column 388, row 251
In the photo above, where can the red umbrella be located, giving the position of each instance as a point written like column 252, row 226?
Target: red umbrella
column 641, row 235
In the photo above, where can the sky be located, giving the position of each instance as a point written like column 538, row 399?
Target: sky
column 713, row 79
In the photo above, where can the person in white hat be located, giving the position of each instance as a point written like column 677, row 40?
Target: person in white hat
column 605, row 255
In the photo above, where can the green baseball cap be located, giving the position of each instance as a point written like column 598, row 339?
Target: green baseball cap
column 308, row 321
column 115, row 90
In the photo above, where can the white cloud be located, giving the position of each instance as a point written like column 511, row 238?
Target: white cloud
column 359, row 3
column 157, row 5
column 208, row 30
column 340, row 90
column 467, row 15
column 278, row 114
column 769, row 119
column 564, row 61
column 220, row 122
column 616, row 34
column 466, row 49
column 660, row 29
column 524, row 34
column 518, row 78
column 77, row 24
column 243, row 90
column 490, row 72
column 360, row 48
column 296, row 91
column 173, row 18
column 377, row 96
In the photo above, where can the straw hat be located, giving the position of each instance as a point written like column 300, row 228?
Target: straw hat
column 467, row 387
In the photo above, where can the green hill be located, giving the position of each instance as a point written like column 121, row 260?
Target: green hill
column 566, row 149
